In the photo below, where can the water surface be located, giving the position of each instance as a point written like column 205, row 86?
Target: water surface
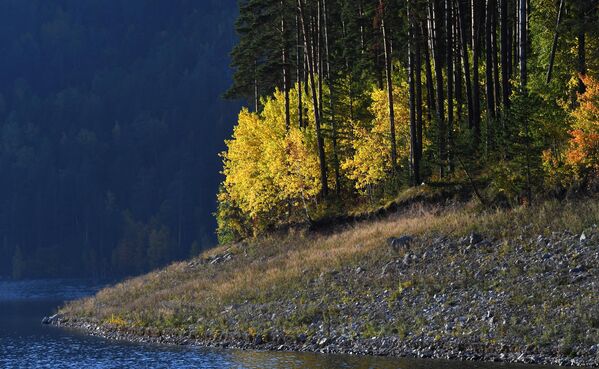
column 25, row 343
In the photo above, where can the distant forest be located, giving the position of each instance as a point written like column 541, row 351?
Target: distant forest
column 111, row 121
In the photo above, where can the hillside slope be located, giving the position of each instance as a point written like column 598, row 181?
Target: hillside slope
column 519, row 285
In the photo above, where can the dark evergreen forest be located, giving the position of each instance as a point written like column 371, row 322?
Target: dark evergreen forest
column 111, row 121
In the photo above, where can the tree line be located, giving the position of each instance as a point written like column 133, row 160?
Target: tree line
column 351, row 101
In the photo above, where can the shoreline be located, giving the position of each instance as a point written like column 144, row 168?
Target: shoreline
column 383, row 346
column 516, row 286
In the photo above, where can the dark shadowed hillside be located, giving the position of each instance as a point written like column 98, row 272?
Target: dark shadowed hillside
column 110, row 125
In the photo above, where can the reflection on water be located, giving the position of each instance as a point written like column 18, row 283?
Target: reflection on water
column 54, row 289
column 25, row 343
column 256, row 360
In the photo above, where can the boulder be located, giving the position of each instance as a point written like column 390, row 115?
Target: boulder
column 398, row 243
column 51, row 319
column 301, row 338
column 475, row 238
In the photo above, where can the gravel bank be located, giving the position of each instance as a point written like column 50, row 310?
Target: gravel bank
column 522, row 300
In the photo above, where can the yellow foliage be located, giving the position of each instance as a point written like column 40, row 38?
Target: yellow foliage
column 371, row 161
column 116, row 321
column 267, row 167
column 246, row 178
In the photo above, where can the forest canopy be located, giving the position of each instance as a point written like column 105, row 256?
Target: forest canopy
column 353, row 101
column 111, row 120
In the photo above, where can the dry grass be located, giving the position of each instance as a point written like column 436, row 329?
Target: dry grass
column 280, row 266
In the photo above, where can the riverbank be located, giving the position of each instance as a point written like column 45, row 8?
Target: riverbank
column 516, row 285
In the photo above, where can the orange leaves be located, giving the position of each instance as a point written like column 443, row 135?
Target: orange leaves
column 582, row 155
column 578, row 159
column 587, row 112
column 584, row 149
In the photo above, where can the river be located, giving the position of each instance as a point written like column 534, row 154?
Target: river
column 25, row 343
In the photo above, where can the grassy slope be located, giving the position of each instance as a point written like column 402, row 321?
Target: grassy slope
column 307, row 283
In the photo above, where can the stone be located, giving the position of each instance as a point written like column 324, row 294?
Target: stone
column 387, row 268
column 542, row 241
column 583, row 237
column 547, row 256
column 475, row 238
column 51, row 320
column 301, row 338
column 578, row 269
column 398, row 243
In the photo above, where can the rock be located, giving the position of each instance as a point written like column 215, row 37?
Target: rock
column 360, row 270
column 399, row 243
column 407, row 259
column 217, row 259
column 578, row 269
column 51, row 320
column 387, row 268
column 475, row 238
column 485, row 243
column 323, row 341
column 583, row 237
column 547, row 256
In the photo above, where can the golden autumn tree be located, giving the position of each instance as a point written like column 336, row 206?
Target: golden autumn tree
column 271, row 171
column 370, row 165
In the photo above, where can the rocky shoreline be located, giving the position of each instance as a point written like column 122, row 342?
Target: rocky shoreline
column 389, row 346
column 522, row 299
